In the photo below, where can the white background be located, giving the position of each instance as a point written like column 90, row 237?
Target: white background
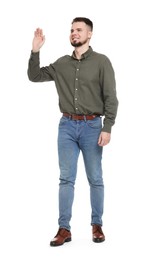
column 29, row 117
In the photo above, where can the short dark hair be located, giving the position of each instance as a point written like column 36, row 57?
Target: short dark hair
column 85, row 20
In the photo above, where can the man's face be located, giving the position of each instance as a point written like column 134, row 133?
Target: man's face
column 80, row 34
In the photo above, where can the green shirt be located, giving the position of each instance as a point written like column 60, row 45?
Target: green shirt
column 85, row 86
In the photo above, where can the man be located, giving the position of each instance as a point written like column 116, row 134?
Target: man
column 85, row 84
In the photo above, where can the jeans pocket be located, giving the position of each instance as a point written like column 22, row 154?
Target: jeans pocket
column 95, row 123
column 63, row 121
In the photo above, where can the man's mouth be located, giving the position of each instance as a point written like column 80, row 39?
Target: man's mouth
column 75, row 39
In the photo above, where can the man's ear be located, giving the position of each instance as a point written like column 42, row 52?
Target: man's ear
column 90, row 34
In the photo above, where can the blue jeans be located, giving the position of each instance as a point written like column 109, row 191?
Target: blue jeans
column 75, row 136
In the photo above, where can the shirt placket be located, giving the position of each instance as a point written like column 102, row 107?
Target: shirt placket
column 76, row 95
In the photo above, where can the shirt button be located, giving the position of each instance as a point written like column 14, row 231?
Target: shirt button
column 76, row 89
column 77, row 69
column 76, row 78
column 76, row 99
column 76, row 108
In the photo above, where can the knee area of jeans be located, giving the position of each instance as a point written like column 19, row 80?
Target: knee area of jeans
column 96, row 183
column 66, row 182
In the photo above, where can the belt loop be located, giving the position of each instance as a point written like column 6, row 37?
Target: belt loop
column 85, row 118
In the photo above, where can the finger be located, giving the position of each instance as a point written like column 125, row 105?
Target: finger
column 100, row 142
column 38, row 32
column 100, row 139
column 103, row 142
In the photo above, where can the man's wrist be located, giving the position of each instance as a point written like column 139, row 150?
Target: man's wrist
column 34, row 51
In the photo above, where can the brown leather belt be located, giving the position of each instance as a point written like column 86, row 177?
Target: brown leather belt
column 81, row 117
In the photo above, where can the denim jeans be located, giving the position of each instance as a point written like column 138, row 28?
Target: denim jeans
column 75, row 136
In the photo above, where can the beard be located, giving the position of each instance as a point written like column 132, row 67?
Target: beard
column 78, row 44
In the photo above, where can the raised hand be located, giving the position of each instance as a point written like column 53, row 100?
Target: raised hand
column 38, row 40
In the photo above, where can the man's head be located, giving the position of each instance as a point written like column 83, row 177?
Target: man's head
column 81, row 31
column 85, row 20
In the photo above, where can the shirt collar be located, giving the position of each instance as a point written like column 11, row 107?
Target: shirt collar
column 85, row 54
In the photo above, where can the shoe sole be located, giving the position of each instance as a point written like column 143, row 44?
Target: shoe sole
column 98, row 240
column 52, row 243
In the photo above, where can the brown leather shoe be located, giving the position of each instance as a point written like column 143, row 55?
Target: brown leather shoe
column 63, row 235
column 98, row 235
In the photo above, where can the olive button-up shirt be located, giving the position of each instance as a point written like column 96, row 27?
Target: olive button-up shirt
column 85, row 86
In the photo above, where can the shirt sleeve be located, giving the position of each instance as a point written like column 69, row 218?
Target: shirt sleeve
column 109, row 95
column 37, row 74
